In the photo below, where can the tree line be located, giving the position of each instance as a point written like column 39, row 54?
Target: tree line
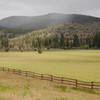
column 4, row 43
column 55, row 41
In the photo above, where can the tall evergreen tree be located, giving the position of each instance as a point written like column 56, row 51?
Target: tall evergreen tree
column 96, row 40
column 5, row 43
column 76, row 42
column 62, row 41
column 39, row 45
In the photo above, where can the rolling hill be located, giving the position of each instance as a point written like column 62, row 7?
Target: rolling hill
column 39, row 22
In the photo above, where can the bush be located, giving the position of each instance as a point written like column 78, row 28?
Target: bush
column 6, row 49
column 39, row 51
column 35, row 49
column 84, row 47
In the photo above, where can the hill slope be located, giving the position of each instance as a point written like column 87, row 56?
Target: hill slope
column 51, row 36
column 38, row 22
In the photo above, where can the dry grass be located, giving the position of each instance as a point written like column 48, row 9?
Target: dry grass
column 14, row 87
column 78, row 64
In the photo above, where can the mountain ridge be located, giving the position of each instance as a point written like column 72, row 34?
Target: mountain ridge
column 40, row 22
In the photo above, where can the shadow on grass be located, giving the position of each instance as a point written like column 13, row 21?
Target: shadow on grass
column 86, row 90
column 61, row 88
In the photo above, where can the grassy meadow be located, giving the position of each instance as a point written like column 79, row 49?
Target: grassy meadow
column 78, row 64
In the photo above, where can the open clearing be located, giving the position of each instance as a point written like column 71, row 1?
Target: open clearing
column 78, row 64
column 15, row 87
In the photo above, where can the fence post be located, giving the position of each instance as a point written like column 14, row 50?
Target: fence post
column 19, row 72
column 62, row 79
column 76, row 83
column 51, row 78
column 3, row 69
column 33, row 75
column 26, row 73
column 41, row 76
column 92, row 85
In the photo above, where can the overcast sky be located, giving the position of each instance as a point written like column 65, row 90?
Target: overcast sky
column 39, row 7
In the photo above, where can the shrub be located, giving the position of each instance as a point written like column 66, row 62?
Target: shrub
column 39, row 51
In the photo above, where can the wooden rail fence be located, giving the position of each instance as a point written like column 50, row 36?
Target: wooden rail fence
column 68, row 81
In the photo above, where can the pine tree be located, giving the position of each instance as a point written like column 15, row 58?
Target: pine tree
column 96, row 40
column 62, row 41
column 5, row 43
column 76, row 41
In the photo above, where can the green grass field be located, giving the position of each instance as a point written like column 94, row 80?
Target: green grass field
column 78, row 64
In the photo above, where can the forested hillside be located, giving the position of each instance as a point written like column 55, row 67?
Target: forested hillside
column 62, row 36
column 51, row 31
column 15, row 26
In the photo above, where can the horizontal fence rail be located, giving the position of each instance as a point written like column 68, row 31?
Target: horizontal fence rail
column 68, row 81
